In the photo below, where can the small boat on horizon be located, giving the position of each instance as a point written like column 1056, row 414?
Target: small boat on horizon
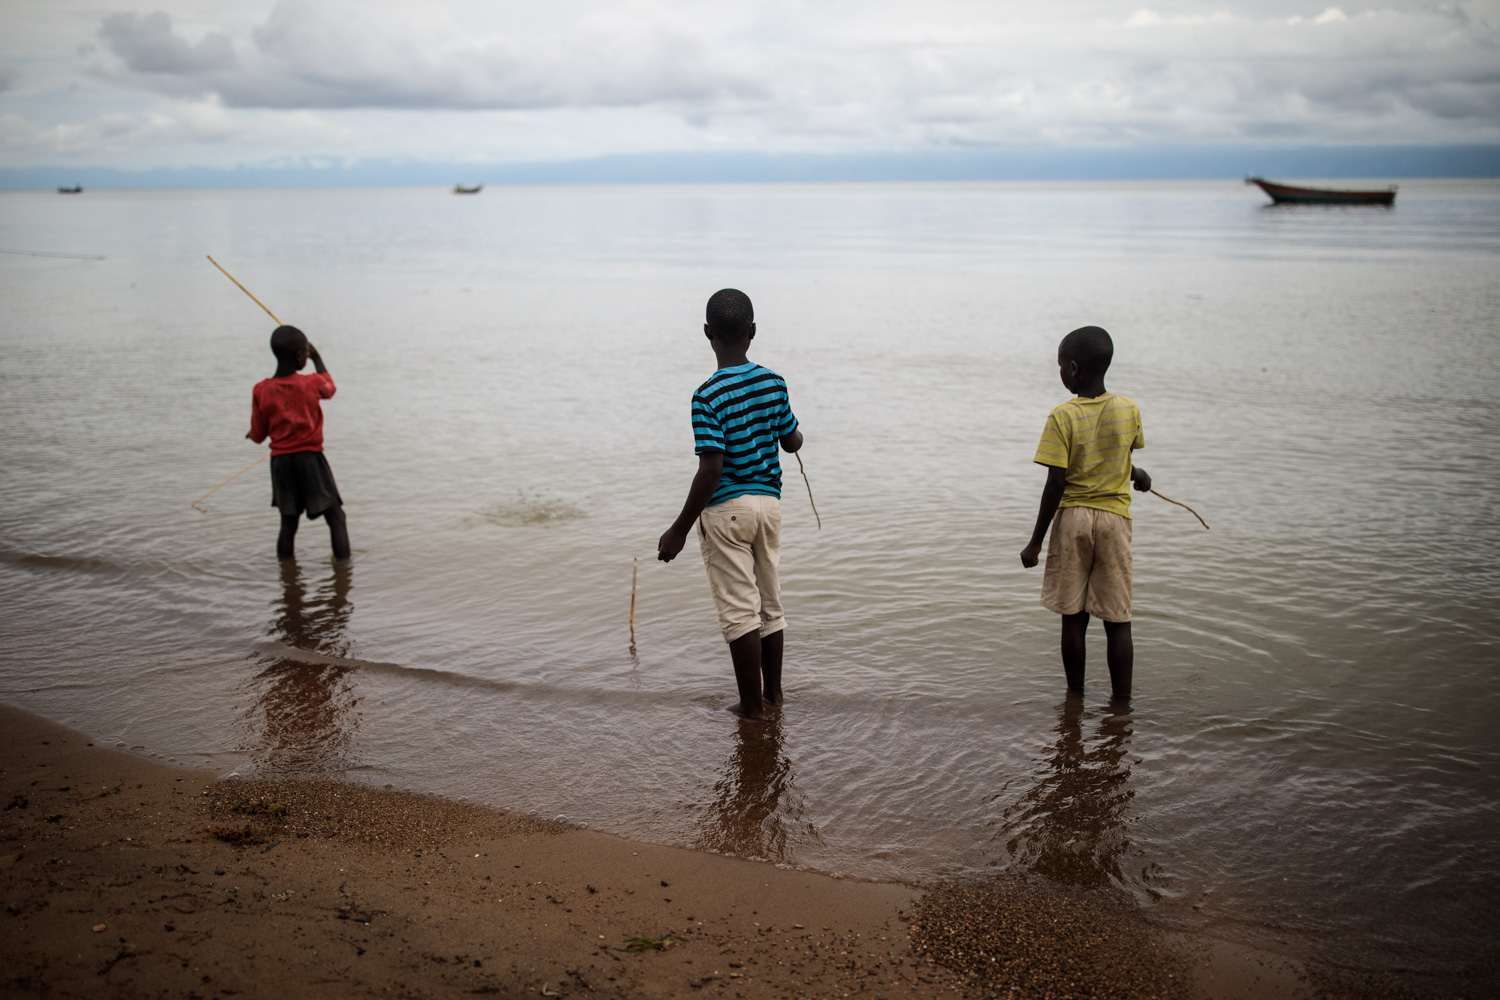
column 460, row 189
column 75, row 189
column 1288, row 194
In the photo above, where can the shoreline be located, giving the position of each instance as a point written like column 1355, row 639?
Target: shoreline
column 123, row 876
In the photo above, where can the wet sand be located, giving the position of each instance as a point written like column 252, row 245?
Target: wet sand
column 123, row 877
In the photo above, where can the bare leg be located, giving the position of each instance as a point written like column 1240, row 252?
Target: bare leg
column 745, row 651
column 338, row 532
column 286, row 541
column 1073, row 629
column 1121, row 653
column 770, row 666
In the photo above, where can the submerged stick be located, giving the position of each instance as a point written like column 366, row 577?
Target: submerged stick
column 1186, row 508
column 231, row 479
column 243, row 289
column 635, row 567
column 809, row 489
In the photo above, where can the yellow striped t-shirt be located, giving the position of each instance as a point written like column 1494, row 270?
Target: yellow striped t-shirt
column 1092, row 439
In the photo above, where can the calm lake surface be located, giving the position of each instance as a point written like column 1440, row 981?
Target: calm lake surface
column 1312, row 759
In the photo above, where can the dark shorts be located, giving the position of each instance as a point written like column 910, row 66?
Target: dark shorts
column 302, row 481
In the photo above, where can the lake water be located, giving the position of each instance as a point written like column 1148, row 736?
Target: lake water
column 1311, row 761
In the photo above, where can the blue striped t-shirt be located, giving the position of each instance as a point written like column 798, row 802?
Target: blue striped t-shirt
column 744, row 412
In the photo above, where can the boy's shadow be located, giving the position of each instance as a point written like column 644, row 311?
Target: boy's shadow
column 756, row 805
column 306, row 707
column 1070, row 826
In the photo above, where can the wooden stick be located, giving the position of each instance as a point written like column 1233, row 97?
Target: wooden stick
column 1186, row 508
column 809, row 489
column 231, row 479
column 243, row 289
column 635, row 567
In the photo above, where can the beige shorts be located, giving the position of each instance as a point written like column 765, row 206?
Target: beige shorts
column 1088, row 564
column 741, row 544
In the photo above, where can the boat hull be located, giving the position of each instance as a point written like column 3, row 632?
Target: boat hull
column 1287, row 194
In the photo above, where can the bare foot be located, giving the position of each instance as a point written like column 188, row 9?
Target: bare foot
column 739, row 709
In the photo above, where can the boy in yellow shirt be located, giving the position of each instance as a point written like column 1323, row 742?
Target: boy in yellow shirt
column 1086, row 447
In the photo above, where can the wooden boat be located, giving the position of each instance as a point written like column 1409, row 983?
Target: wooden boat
column 75, row 189
column 1287, row 194
column 460, row 189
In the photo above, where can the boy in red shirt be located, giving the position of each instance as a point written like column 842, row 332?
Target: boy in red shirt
column 288, row 408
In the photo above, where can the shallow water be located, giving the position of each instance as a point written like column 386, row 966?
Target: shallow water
column 1311, row 757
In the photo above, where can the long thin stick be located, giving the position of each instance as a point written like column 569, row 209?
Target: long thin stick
column 243, row 289
column 1186, row 508
column 231, row 479
column 635, row 567
column 809, row 489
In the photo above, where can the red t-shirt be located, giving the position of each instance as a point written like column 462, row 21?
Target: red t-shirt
column 290, row 411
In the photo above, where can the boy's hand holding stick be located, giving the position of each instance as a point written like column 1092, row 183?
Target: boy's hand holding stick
column 1142, row 480
column 1052, row 494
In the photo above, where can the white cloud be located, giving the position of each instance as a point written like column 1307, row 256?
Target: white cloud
column 1146, row 18
column 584, row 77
column 131, row 139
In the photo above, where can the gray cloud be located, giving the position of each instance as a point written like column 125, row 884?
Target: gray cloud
column 146, row 44
column 8, row 79
column 322, row 56
column 1416, row 75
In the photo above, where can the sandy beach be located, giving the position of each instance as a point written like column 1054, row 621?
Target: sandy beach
column 126, row 878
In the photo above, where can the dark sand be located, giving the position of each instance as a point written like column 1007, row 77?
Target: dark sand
column 122, row 877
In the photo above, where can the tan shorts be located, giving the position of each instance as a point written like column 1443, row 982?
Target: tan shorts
column 741, row 544
column 1088, row 564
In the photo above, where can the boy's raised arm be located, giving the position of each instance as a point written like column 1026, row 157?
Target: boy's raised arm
column 705, row 481
column 326, row 390
column 1051, row 497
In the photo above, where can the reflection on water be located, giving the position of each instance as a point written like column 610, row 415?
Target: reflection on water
column 757, row 810
column 306, row 708
column 1070, row 824
column 1327, row 652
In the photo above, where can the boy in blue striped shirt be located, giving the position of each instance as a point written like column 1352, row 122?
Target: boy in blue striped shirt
column 741, row 415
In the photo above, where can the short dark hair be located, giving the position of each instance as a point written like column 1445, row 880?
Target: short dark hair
column 729, row 314
column 1091, row 347
column 287, row 342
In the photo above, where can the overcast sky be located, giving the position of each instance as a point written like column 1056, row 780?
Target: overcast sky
column 192, row 83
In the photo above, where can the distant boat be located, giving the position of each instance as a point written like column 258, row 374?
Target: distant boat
column 75, row 189
column 460, row 189
column 1286, row 194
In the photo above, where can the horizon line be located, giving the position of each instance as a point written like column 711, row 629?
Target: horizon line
column 1406, row 162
